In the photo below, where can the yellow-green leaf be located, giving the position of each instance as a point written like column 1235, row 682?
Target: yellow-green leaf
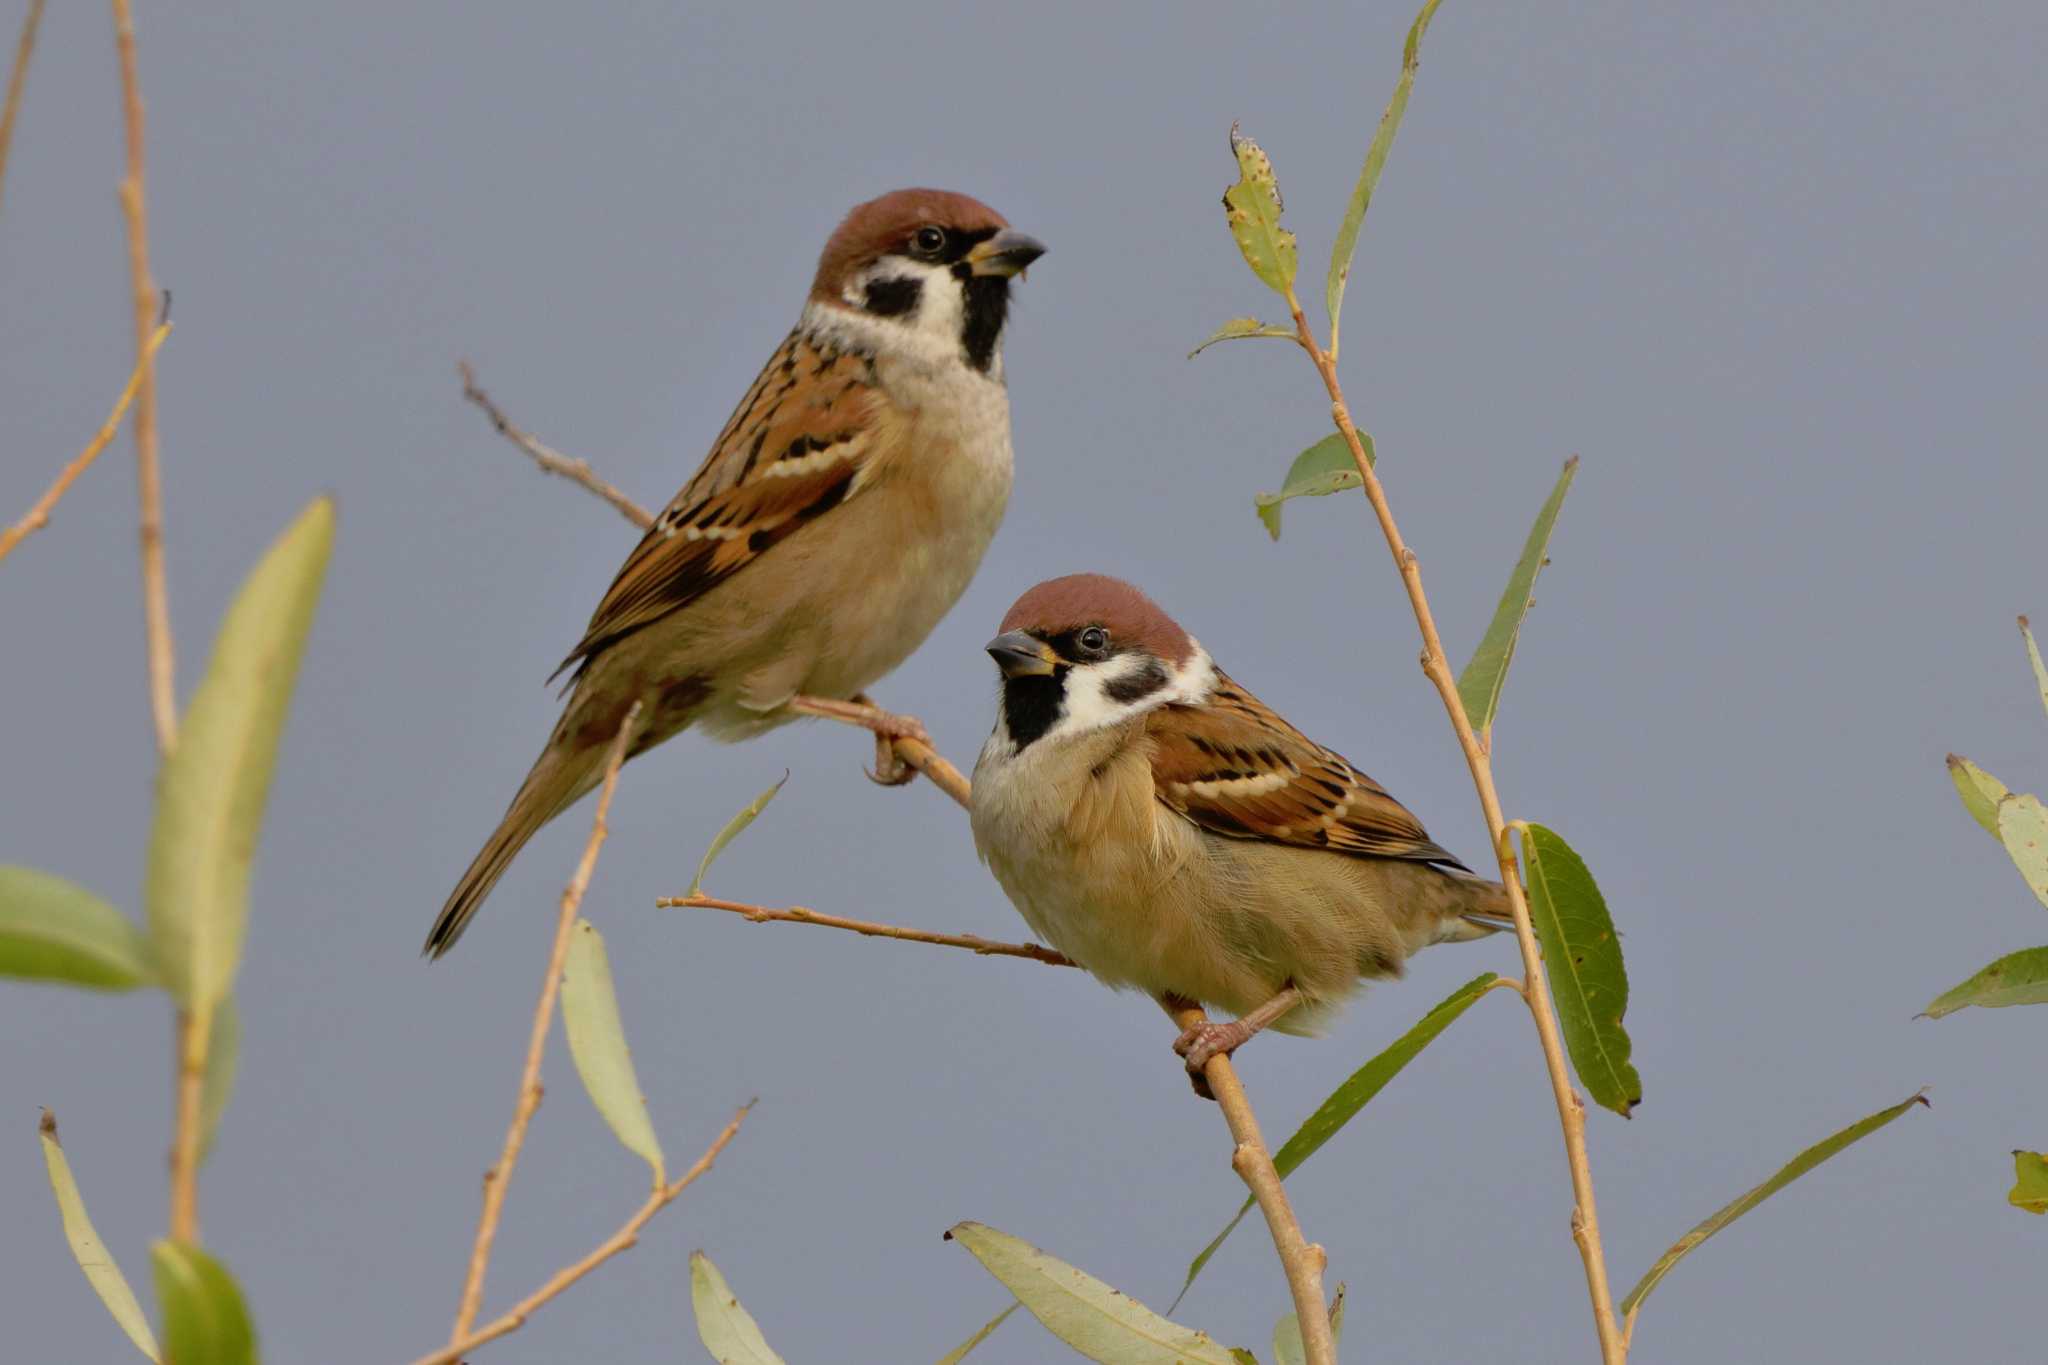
column 1721, row 1218
column 2030, row 1182
column 597, row 1040
column 728, row 1331
column 1252, row 206
column 1099, row 1322
column 211, row 792
column 1369, row 175
column 959, row 1353
column 1324, row 468
column 2016, row 979
column 1238, row 329
column 91, row 1254
column 55, row 930
column 732, row 831
column 205, row 1321
column 1582, row 955
column 1981, row 792
column 2034, row 657
column 217, row 1084
column 1480, row 684
column 2023, row 829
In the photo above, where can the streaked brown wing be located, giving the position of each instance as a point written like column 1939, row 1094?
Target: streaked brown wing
column 792, row 451
column 1236, row 768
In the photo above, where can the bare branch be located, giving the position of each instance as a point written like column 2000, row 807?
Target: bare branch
column 24, row 48
column 550, row 460
column 798, row 914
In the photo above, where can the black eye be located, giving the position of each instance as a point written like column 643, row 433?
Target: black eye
column 929, row 241
column 1094, row 640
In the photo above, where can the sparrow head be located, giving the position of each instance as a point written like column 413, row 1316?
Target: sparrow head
column 1086, row 652
column 935, row 263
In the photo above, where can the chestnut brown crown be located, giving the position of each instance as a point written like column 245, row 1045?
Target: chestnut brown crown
column 880, row 226
column 1133, row 620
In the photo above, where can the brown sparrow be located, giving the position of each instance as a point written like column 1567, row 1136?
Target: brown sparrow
column 1162, row 827
column 839, row 515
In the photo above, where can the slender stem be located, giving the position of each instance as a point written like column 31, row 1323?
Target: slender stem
column 1571, row 1111
column 38, row 516
column 500, row 1176
column 195, row 1036
column 914, row 752
column 1301, row 1260
column 550, row 460
column 24, row 48
column 798, row 914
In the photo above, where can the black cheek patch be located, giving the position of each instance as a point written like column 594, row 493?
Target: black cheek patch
column 892, row 298
column 1139, row 685
column 986, row 302
column 1032, row 706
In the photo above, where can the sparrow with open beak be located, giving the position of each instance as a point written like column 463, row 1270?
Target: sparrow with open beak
column 1166, row 830
column 839, row 515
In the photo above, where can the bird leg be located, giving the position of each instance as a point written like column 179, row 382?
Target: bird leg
column 888, row 727
column 1205, row 1041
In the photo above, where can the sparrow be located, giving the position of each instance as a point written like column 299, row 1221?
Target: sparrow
column 1169, row 832
column 839, row 515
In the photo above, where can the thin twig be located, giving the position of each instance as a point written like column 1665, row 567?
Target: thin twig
column 1301, row 1260
column 17, row 80
column 500, row 1176
column 550, row 460
column 914, row 752
column 798, row 914
column 38, row 516
column 1571, row 1111
column 195, row 1038
column 627, row 1236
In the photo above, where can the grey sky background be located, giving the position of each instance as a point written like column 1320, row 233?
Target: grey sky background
column 1773, row 272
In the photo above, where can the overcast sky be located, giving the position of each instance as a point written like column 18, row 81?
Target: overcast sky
column 1772, row 271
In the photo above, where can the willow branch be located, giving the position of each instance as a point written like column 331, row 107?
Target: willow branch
column 550, row 460
column 1571, row 1111
column 38, row 516
column 195, row 1038
column 798, row 914
column 500, row 1176
column 17, row 80
column 627, row 1236
column 914, row 753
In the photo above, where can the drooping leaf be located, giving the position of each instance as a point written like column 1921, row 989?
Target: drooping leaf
column 1082, row 1311
column 55, row 930
column 732, row 830
column 959, row 1353
column 1479, row 686
column 2030, row 1182
column 2016, row 979
column 1369, row 176
column 2034, row 657
column 91, row 1254
column 2023, row 829
column 728, row 1331
column 1337, row 1316
column 1347, row 1099
column 205, row 1320
column 1324, row 468
column 217, row 1086
column 597, row 1041
column 1981, row 792
column 1721, row 1218
column 1238, row 329
column 210, row 794
column 1252, row 207
column 1583, row 958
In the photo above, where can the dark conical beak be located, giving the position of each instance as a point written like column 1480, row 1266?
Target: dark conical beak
column 1019, row 655
column 1006, row 253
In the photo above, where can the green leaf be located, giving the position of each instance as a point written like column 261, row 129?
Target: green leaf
column 1981, row 792
column 959, row 1353
column 1480, row 684
column 55, row 930
column 217, row 1085
column 597, row 1040
column 1583, row 957
column 1288, row 1348
column 1324, row 468
column 2016, row 979
column 210, row 794
column 732, row 831
column 2030, row 1182
column 205, row 1321
column 728, row 1331
column 1081, row 1310
column 1252, row 206
column 1347, row 1099
column 2023, row 829
column 1369, row 175
column 1238, row 329
column 2034, row 657
column 1721, row 1218
column 91, row 1254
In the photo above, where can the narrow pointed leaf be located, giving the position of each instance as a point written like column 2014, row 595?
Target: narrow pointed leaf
column 1082, row 1311
column 1481, row 683
column 211, row 792
column 1238, row 329
column 91, row 1254
column 1324, row 468
column 2030, row 1182
column 1583, row 957
column 597, row 1040
column 2016, row 979
column 55, row 930
column 1369, row 177
column 728, row 1331
column 1721, row 1218
column 205, row 1320
column 1347, row 1099
column 1981, row 792
column 959, row 1353
column 217, row 1085
column 2023, row 829
column 1252, row 207
column 732, row 830
column 2034, row 657
column 1288, row 1348
column 1337, row 1316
